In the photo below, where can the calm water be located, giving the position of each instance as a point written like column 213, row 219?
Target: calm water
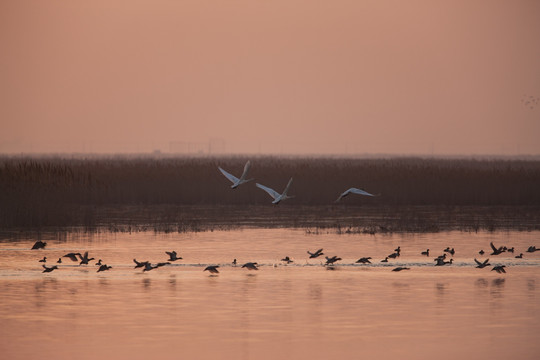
column 298, row 311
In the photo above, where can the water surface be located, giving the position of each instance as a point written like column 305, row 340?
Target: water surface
column 301, row 310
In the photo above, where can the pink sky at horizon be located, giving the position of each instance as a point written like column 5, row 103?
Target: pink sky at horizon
column 297, row 76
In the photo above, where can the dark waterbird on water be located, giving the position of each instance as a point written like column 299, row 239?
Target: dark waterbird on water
column 398, row 250
column 148, row 266
column 72, row 256
column 59, row 261
column 399, row 268
column 364, row 260
column 315, row 254
column 441, row 262
column 287, row 260
column 393, row 255
column 481, row 252
column 98, row 263
column 173, row 256
column 49, row 269
column 85, row 259
column 332, row 260
column 450, row 251
column 251, row 266
column 499, row 269
column 385, row 259
column 43, row 260
column 39, row 245
column 425, row 252
column 234, row 262
column 481, row 265
column 139, row 264
column 104, row 267
column 520, row 256
column 212, row 269
column 532, row 249
column 496, row 251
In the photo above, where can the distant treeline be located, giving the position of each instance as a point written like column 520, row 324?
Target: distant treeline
column 59, row 191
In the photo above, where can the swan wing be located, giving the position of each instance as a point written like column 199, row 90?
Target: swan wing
column 359, row 192
column 493, row 246
column 246, row 170
column 478, row 262
column 231, row 177
column 287, row 187
column 274, row 194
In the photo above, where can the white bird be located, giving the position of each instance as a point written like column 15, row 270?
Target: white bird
column 354, row 191
column 236, row 181
column 274, row 194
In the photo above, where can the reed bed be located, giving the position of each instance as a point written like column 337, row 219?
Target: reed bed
column 186, row 194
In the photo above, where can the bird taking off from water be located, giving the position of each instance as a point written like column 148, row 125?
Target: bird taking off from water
column 173, row 256
column 39, row 245
column 236, row 181
column 212, row 269
column 315, row 254
column 251, row 266
column 275, row 195
column 49, row 269
column 354, row 191
column 482, row 265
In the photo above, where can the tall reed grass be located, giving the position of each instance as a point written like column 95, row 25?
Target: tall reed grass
column 53, row 191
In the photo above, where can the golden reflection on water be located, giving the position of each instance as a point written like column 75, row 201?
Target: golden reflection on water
column 294, row 311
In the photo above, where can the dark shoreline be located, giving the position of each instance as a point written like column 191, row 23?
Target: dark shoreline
column 313, row 219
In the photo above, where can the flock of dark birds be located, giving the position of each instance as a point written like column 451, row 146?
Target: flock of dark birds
column 277, row 198
column 440, row 260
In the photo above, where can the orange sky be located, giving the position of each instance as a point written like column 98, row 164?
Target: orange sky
column 292, row 76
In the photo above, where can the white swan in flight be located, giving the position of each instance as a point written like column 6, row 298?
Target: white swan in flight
column 236, row 181
column 354, row 191
column 274, row 194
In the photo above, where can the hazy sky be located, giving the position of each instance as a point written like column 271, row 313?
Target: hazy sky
column 291, row 76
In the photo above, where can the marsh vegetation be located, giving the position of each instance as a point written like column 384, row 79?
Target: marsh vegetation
column 186, row 194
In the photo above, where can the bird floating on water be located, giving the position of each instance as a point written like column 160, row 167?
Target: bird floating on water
column 104, row 267
column 44, row 259
column 98, row 263
column 441, row 262
column 532, row 249
column 425, row 252
column 399, row 268
column 482, row 265
column 59, row 261
column 39, row 245
column 212, row 269
column 450, row 251
column 274, row 194
column 385, row 259
column 353, row 191
column 520, row 256
column 49, row 269
column 287, row 260
column 237, row 181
